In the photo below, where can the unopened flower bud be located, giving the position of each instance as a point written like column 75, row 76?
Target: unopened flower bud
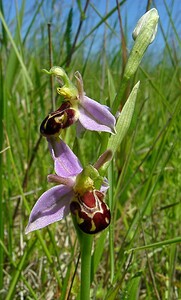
column 143, row 34
column 151, row 15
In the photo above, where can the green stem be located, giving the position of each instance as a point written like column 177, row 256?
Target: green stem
column 86, row 248
column 111, row 227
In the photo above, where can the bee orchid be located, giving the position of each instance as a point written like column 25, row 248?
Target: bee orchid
column 78, row 190
column 76, row 108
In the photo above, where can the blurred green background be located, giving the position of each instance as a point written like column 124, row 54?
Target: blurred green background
column 145, row 175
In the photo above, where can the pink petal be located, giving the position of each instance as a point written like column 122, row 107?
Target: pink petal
column 66, row 162
column 95, row 116
column 79, row 129
column 52, row 206
column 104, row 186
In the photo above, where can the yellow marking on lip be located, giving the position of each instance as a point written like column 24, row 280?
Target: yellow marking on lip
column 107, row 220
column 79, row 220
column 60, row 119
column 93, row 228
column 45, row 125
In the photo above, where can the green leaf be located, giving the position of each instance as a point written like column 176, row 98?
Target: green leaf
column 111, row 87
column 24, row 69
column 68, row 31
column 156, row 245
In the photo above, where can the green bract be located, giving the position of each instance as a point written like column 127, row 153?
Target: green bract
column 123, row 123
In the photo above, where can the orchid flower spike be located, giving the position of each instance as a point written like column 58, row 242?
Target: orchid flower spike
column 76, row 108
column 79, row 191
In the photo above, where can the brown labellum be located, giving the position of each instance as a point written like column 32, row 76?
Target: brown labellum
column 91, row 212
column 59, row 119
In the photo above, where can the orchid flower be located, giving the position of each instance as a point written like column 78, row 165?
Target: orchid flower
column 77, row 107
column 79, row 191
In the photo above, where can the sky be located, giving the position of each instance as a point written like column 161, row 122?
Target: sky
column 131, row 11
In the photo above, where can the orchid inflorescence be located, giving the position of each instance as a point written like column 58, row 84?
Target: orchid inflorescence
column 78, row 190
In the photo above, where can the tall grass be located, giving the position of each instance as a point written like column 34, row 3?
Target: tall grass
column 139, row 258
